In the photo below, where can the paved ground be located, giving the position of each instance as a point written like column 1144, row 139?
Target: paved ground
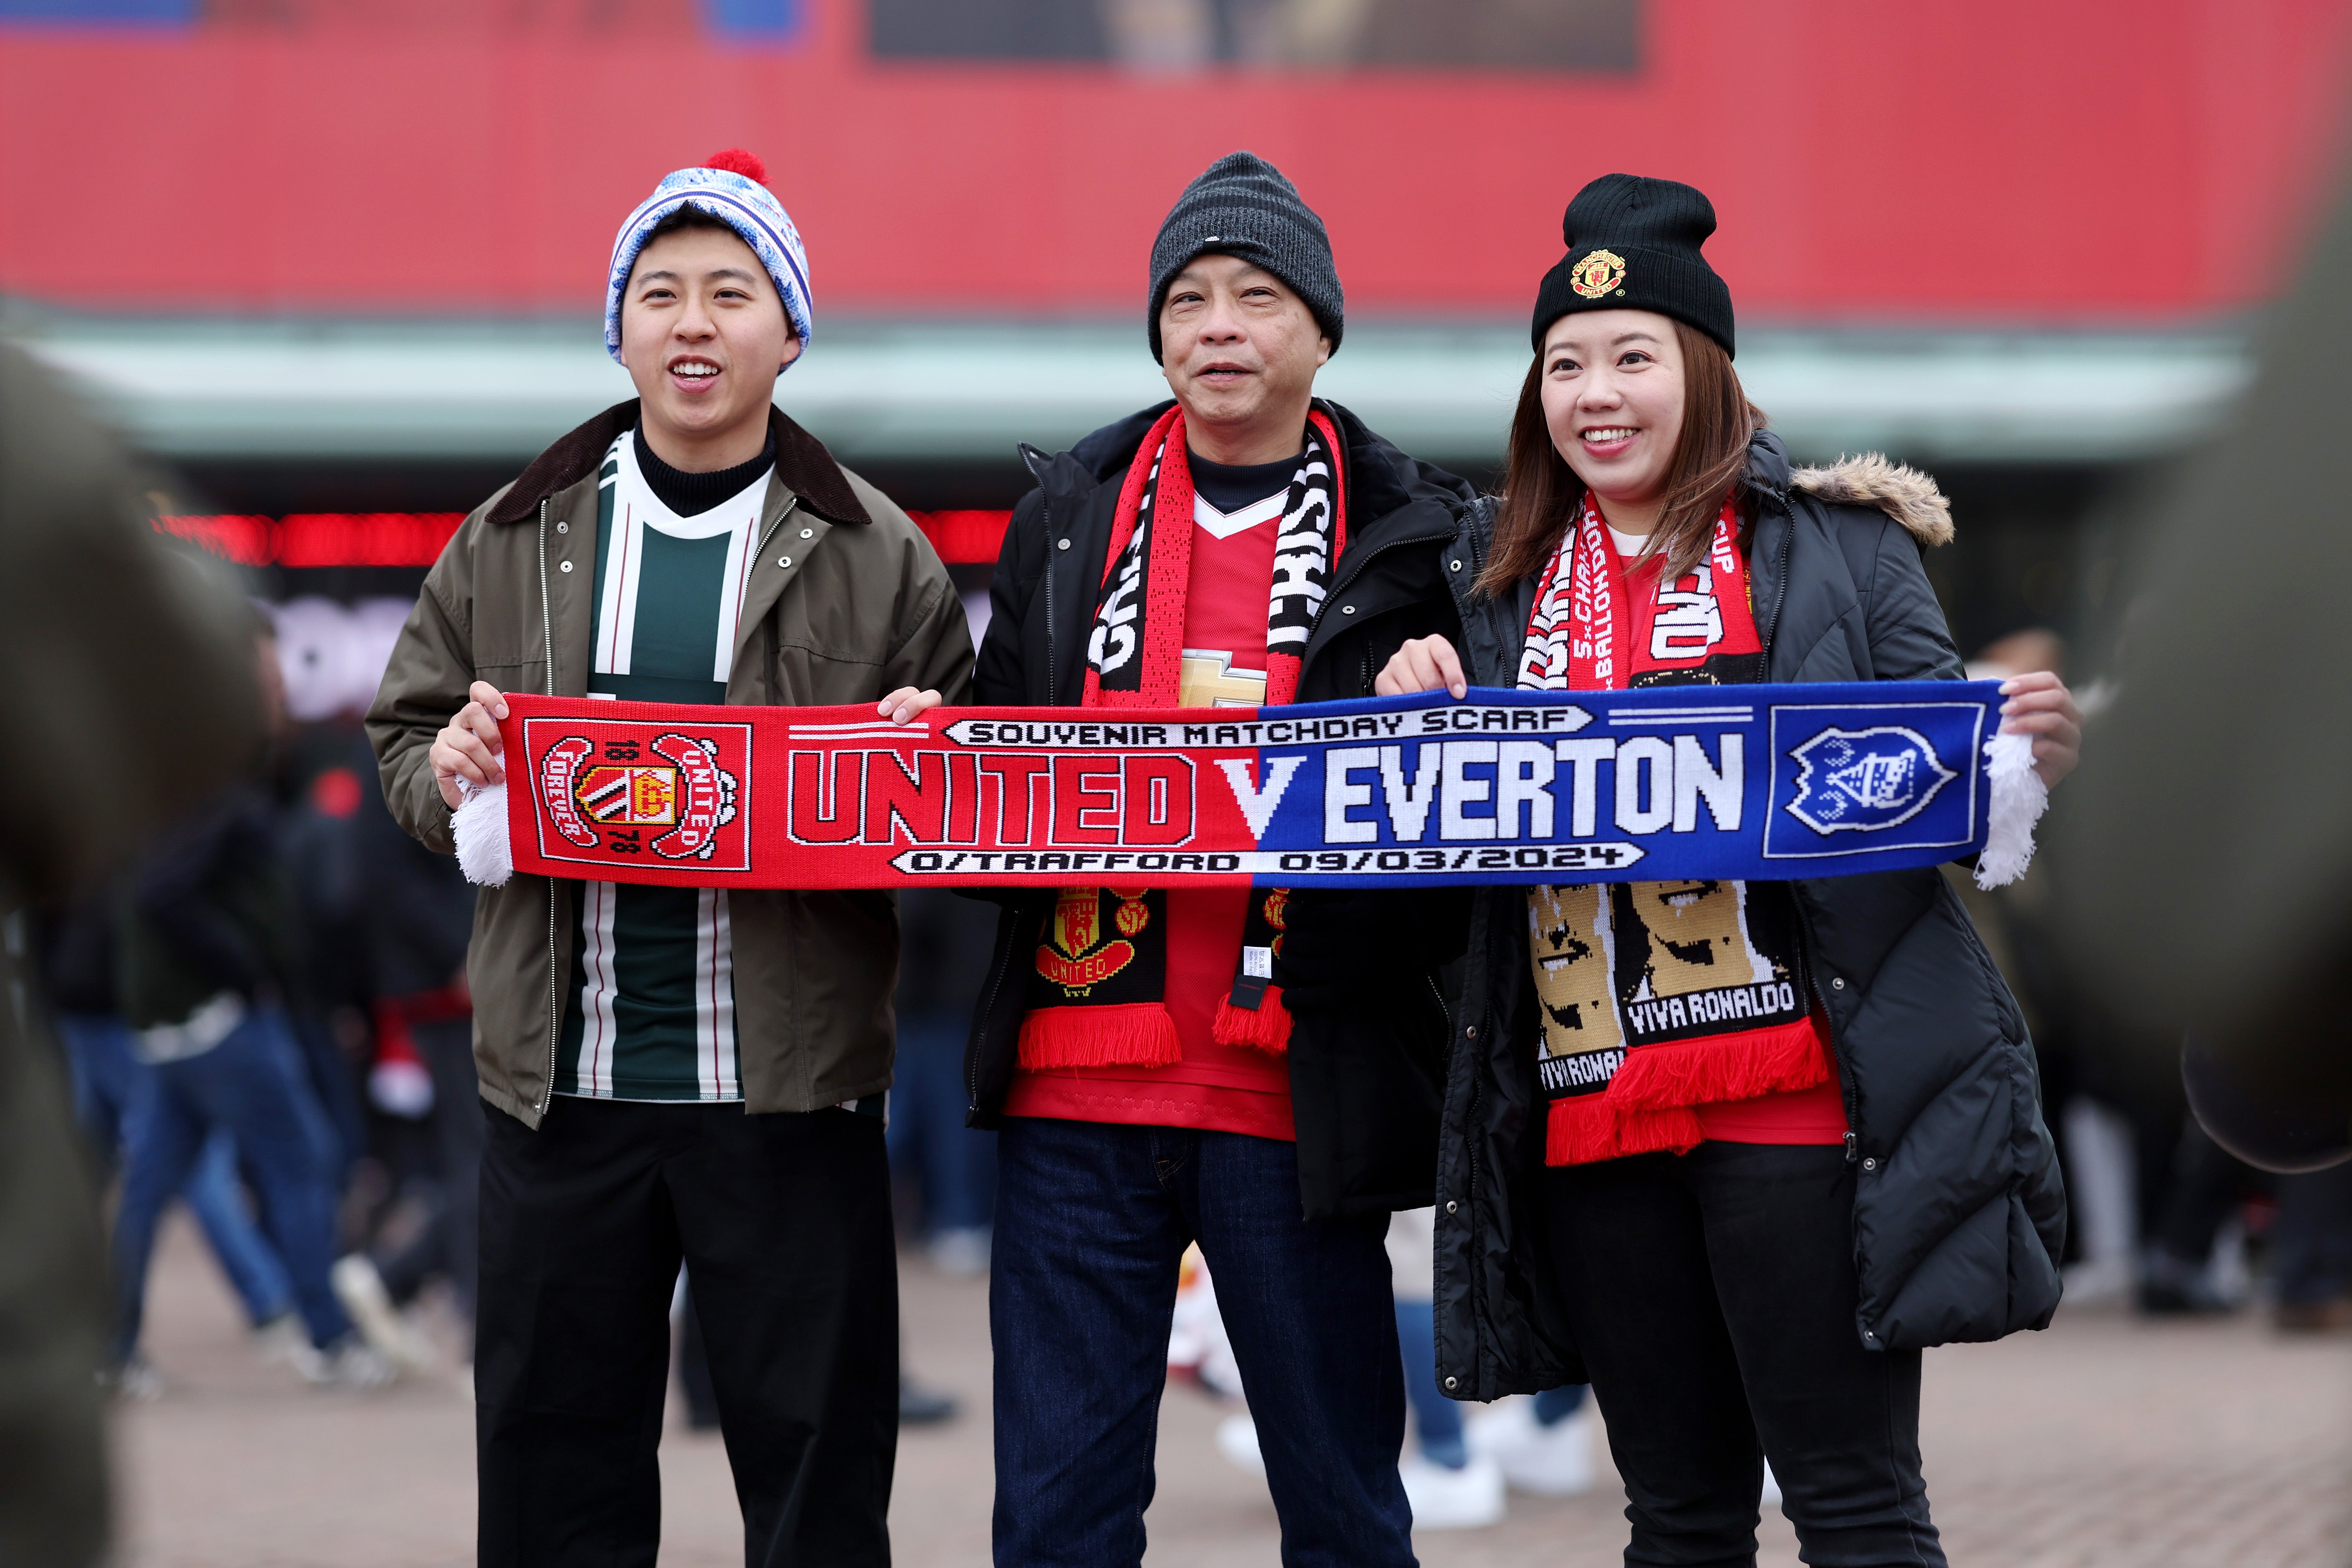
column 2103, row 1442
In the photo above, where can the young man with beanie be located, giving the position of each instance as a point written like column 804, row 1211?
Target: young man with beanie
column 678, row 1073
column 1239, row 545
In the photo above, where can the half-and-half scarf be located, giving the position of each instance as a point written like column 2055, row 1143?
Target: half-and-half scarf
column 1097, row 994
column 1656, row 997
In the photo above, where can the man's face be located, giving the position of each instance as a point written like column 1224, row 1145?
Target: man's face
column 1236, row 345
column 703, row 333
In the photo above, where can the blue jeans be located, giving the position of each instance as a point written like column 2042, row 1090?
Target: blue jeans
column 955, row 1164
column 1437, row 1420
column 252, row 1084
column 1092, row 1219
column 1554, row 1405
column 110, row 1083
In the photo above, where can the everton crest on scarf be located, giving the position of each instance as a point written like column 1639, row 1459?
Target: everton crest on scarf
column 1656, row 997
column 1096, row 995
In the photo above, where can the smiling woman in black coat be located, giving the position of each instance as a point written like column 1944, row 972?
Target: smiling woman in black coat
column 1753, row 1272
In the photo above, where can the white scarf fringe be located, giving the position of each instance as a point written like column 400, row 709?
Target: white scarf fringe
column 479, row 824
column 2019, row 799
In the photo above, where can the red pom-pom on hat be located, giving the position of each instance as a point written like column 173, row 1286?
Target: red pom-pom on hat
column 736, row 161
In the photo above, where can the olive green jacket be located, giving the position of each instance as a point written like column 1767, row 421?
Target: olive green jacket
column 848, row 602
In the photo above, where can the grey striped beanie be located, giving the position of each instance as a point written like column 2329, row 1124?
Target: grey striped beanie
column 1241, row 205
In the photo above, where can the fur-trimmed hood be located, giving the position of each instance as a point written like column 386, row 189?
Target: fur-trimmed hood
column 1905, row 494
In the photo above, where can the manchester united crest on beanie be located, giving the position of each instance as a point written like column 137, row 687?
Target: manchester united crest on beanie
column 1634, row 245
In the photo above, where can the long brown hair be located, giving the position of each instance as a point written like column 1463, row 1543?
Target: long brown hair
column 1542, row 492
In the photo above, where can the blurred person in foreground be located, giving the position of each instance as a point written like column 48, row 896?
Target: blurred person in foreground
column 2210, row 844
column 1146, row 1084
column 1748, row 1258
column 204, row 964
column 135, row 672
column 680, row 1074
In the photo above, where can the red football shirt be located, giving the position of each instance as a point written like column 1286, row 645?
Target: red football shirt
column 1217, row 1089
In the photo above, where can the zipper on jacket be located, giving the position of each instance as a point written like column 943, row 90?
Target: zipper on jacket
column 1355, row 571
column 1780, row 588
column 554, row 985
column 1470, row 1159
column 1036, row 462
column 790, row 507
column 1045, row 516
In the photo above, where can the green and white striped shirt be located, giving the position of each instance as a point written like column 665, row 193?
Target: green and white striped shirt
column 653, row 1016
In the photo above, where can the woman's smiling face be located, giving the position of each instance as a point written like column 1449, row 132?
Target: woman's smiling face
column 1613, row 399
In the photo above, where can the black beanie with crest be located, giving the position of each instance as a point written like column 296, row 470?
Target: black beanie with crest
column 1634, row 245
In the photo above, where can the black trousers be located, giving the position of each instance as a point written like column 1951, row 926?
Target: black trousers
column 783, row 1224
column 1713, row 1297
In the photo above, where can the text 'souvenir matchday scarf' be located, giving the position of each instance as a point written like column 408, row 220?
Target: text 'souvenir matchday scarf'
column 1098, row 996
column 1656, row 997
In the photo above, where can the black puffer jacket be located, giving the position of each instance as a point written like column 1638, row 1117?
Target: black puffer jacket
column 1365, row 1082
column 1958, row 1214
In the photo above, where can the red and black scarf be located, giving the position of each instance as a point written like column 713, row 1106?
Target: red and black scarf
column 1096, row 996
column 1656, row 997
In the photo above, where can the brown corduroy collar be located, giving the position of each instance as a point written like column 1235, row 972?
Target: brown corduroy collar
column 802, row 464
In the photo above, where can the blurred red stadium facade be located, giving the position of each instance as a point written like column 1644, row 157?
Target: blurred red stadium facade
column 2007, row 161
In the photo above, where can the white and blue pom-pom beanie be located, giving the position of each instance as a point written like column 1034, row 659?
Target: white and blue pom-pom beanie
column 731, row 186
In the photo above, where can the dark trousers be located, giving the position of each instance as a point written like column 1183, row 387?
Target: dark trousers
column 783, row 1225
column 1713, row 1297
column 1092, row 1220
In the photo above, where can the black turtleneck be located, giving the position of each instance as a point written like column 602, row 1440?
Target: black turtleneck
column 1231, row 487
column 689, row 495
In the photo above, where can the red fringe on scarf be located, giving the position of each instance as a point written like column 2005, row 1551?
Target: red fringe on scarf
column 1648, row 1105
column 1136, row 1035
column 1589, row 1127
column 1720, row 1066
column 1268, row 1029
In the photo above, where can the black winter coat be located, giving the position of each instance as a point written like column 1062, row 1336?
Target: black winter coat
column 1365, row 1083
column 1959, row 1213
